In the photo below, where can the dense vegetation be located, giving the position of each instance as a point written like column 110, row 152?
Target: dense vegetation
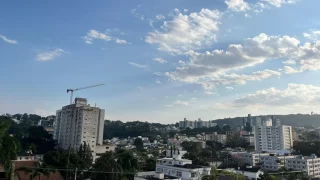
column 132, row 129
column 305, row 120
column 30, row 137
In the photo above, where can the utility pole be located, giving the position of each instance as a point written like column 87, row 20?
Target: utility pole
column 75, row 174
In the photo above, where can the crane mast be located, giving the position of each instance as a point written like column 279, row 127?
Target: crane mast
column 77, row 89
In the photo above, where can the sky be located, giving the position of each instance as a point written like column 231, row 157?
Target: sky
column 161, row 61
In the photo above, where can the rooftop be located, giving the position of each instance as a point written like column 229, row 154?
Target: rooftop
column 151, row 177
column 190, row 166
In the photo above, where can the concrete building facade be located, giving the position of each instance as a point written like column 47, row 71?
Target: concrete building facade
column 273, row 138
column 196, row 123
column 180, row 168
column 77, row 123
column 221, row 138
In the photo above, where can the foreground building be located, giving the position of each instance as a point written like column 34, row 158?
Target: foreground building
column 77, row 123
column 174, row 167
column 308, row 164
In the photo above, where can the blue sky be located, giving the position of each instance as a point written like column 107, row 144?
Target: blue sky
column 164, row 60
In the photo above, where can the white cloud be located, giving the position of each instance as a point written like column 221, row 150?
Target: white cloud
column 160, row 17
column 178, row 102
column 121, row 41
column 314, row 35
column 230, row 79
column 237, row 5
column 229, row 88
column 290, row 70
column 185, row 10
column 278, row 3
column 209, row 92
column 186, row 32
column 140, row 88
column 289, row 62
column 157, row 73
column 139, row 65
column 96, row 35
column 210, row 67
column 49, row 55
column 295, row 95
column 158, row 82
column 7, row 40
column 160, row 60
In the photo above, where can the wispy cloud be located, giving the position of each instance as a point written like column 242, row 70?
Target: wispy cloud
column 178, row 102
column 158, row 82
column 146, row 67
column 140, row 88
column 160, row 60
column 96, row 35
column 49, row 55
column 7, row 40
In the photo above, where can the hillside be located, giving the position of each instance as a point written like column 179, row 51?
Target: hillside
column 305, row 120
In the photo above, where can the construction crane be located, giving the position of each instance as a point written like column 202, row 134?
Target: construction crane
column 72, row 90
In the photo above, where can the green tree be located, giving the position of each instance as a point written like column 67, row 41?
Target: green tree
column 41, row 169
column 85, row 153
column 128, row 163
column 267, row 176
column 138, row 143
column 231, row 175
column 9, row 147
column 299, row 176
column 107, row 163
column 213, row 175
column 65, row 160
column 234, row 140
column 150, row 164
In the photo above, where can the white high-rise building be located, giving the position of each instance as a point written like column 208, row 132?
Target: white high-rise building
column 273, row 138
column 77, row 123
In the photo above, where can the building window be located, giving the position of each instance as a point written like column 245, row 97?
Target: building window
column 179, row 173
column 193, row 174
column 159, row 169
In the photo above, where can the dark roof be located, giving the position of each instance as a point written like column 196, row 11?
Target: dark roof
column 151, row 177
column 253, row 169
column 33, row 163
column 189, row 166
column 213, row 160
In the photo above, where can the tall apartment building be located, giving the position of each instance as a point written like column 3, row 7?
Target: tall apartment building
column 273, row 138
column 77, row 123
column 196, row 123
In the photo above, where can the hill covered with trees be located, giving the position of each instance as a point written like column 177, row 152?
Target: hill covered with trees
column 305, row 120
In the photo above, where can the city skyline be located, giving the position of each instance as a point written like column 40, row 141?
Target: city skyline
column 162, row 61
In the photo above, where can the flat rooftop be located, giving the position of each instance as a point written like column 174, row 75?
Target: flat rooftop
column 190, row 166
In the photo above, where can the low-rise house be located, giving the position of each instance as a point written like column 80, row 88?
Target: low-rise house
column 101, row 149
column 174, row 167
